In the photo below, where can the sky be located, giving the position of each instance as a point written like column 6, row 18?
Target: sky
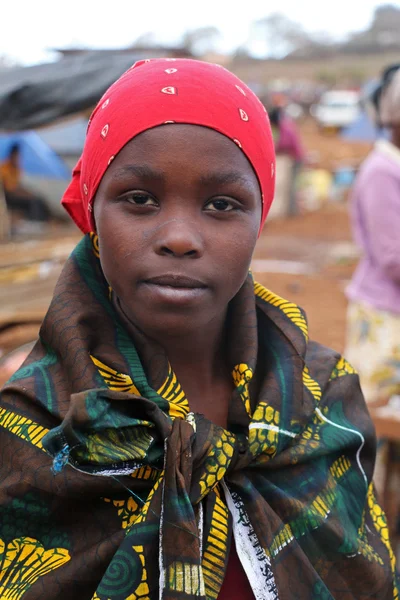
column 30, row 28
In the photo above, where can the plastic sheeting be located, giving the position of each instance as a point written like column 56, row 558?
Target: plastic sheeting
column 31, row 97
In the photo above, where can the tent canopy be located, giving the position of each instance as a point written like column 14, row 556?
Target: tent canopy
column 363, row 130
column 37, row 158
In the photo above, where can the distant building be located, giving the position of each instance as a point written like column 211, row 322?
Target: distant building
column 137, row 52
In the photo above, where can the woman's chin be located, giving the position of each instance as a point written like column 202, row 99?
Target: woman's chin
column 173, row 326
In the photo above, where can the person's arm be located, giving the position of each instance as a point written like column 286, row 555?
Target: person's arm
column 380, row 212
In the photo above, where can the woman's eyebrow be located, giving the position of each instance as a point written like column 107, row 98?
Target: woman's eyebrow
column 225, row 177
column 139, row 171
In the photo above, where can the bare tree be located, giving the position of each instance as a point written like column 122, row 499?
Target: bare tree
column 202, row 40
column 282, row 35
column 382, row 35
column 145, row 40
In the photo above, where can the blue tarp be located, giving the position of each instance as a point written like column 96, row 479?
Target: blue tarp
column 37, row 158
column 362, row 130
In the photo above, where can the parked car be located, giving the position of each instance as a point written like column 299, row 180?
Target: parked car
column 337, row 109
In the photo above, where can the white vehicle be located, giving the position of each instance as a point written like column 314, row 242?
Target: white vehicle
column 337, row 109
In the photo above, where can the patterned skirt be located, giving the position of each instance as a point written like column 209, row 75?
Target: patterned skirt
column 373, row 348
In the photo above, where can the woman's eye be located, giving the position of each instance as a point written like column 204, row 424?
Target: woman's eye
column 139, row 199
column 220, row 205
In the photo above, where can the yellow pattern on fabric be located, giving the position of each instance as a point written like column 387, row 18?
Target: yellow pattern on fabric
column 309, row 438
column 216, row 463
column 23, row 427
column 106, row 446
column 145, row 509
column 311, row 515
column 364, row 546
column 127, row 509
column 23, row 561
column 340, row 467
column 282, row 539
column 366, row 549
column 145, row 472
column 324, row 502
column 242, row 375
column 313, row 387
column 185, row 578
column 142, row 591
column 289, row 309
column 380, row 523
column 115, row 381
column 95, row 244
column 215, row 550
column 264, row 441
column 171, row 390
column 341, row 369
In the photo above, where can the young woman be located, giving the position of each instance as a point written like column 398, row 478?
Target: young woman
column 174, row 434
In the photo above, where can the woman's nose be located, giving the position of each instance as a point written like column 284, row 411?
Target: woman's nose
column 179, row 238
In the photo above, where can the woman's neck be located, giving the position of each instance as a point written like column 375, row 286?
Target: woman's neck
column 202, row 355
column 201, row 365
column 198, row 355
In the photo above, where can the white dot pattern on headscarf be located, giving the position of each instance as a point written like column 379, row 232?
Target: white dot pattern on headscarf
column 110, row 160
column 85, row 189
column 172, row 91
column 169, row 89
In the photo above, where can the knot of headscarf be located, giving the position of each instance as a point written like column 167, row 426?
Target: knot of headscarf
column 165, row 91
column 106, row 431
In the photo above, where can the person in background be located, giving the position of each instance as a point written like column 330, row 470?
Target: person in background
column 18, row 197
column 287, row 141
column 373, row 336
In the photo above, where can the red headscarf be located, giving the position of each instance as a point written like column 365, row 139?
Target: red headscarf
column 160, row 91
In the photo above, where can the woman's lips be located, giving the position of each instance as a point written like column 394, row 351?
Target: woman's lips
column 174, row 288
column 176, row 280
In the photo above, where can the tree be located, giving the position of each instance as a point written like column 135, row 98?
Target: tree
column 282, row 36
column 382, row 35
column 145, row 40
column 202, row 40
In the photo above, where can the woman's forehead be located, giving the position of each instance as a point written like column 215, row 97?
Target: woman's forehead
column 191, row 145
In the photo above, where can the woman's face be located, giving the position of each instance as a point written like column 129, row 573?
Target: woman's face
column 177, row 214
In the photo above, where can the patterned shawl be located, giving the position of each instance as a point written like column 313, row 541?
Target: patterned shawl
column 111, row 489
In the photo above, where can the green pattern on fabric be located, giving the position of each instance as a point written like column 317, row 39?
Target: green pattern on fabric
column 136, row 492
